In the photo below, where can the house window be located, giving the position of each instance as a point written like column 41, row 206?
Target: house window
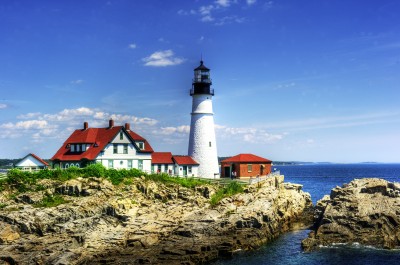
column 78, row 147
column 115, row 146
column 141, row 145
column 121, row 135
column 249, row 168
column 165, row 168
column 140, row 164
column 190, row 169
column 129, row 163
column 72, row 148
column 158, row 168
column 83, row 147
column 110, row 163
column 125, row 148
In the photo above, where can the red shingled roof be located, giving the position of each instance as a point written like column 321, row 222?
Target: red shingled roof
column 161, row 158
column 184, row 160
column 246, row 158
column 97, row 138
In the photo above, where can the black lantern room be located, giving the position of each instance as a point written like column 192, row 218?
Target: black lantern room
column 202, row 81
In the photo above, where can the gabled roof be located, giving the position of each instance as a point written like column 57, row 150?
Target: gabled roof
column 35, row 157
column 97, row 138
column 246, row 158
column 161, row 158
column 184, row 160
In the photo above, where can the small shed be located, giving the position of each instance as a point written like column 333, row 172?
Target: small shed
column 245, row 165
column 31, row 162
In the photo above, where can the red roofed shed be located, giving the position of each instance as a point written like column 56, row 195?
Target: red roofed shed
column 245, row 165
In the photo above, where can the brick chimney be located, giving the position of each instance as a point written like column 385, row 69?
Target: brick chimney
column 127, row 126
column 110, row 123
column 85, row 125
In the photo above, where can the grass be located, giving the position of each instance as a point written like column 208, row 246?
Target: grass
column 184, row 182
column 50, row 201
column 232, row 189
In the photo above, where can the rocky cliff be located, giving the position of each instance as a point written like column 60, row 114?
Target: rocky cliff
column 143, row 222
column 365, row 211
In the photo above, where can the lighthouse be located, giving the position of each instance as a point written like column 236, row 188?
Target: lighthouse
column 202, row 143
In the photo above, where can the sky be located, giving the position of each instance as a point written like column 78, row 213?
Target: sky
column 314, row 80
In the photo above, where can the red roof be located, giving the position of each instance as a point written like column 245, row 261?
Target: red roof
column 161, row 158
column 246, row 158
column 39, row 159
column 97, row 138
column 184, row 160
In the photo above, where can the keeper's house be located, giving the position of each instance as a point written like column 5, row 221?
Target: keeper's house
column 114, row 147
column 245, row 166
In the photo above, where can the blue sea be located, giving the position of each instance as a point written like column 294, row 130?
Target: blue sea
column 318, row 180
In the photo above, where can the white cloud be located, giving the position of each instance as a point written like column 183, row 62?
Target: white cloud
column 183, row 129
column 162, row 59
column 3, row 106
column 251, row 2
column 132, row 46
column 37, row 126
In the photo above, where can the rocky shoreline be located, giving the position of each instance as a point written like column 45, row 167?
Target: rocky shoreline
column 365, row 211
column 145, row 222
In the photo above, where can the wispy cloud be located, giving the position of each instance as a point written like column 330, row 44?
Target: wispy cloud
column 3, row 106
column 337, row 121
column 162, row 59
column 251, row 2
column 219, row 12
column 132, row 46
column 77, row 82
column 247, row 134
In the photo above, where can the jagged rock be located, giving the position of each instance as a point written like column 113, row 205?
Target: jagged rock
column 366, row 211
column 146, row 222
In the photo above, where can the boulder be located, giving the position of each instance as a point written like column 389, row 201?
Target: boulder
column 365, row 211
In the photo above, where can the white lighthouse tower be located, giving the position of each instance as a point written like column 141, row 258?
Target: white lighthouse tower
column 202, row 143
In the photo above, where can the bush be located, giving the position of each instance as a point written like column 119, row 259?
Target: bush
column 94, row 170
column 20, row 180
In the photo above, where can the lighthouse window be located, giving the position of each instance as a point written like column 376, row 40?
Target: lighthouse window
column 209, row 143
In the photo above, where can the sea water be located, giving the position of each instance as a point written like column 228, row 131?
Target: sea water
column 318, row 180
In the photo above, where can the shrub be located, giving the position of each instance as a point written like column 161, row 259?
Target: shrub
column 94, row 170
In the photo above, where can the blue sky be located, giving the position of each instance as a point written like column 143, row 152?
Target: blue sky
column 313, row 80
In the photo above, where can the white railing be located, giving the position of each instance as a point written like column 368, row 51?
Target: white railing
column 263, row 178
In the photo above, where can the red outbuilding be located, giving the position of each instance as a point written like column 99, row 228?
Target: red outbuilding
column 245, row 166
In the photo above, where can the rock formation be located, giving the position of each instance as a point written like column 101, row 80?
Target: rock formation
column 143, row 222
column 365, row 211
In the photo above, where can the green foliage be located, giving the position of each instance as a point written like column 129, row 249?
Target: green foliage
column 232, row 189
column 20, row 180
column 50, row 201
column 95, row 170
column 185, row 182
column 3, row 205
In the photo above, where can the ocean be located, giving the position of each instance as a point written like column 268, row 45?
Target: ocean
column 318, row 180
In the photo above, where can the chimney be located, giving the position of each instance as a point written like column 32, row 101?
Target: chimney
column 127, row 126
column 110, row 123
column 85, row 125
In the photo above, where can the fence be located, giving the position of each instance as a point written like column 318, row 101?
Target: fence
column 263, row 178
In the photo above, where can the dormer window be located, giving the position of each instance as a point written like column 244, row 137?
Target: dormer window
column 141, row 145
column 72, row 148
